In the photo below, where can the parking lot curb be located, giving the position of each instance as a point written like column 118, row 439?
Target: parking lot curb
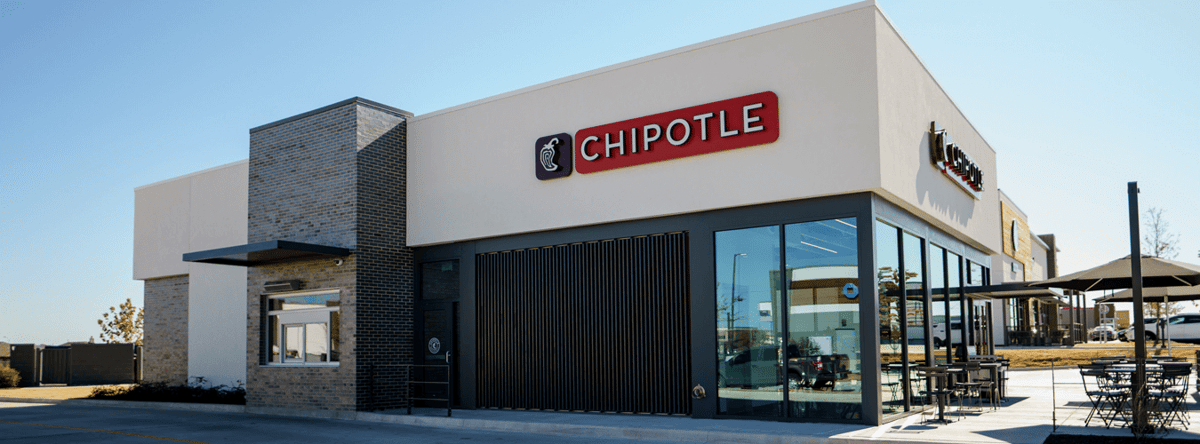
column 181, row 406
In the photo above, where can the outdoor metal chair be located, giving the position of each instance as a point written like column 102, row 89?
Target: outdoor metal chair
column 1107, row 399
column 1168, row 394
column 974, row 385
column 892, row 380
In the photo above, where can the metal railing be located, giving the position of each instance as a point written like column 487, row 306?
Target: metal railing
column 448, row 383
column 410, row 381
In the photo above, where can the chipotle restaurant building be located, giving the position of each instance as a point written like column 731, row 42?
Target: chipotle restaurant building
column 720, row 230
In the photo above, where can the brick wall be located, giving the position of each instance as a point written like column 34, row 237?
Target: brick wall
column 165, row 340
column 321, row 388
column 385, row 273
column 334, row 176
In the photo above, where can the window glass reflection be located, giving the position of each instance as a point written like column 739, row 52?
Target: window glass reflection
column 305, row 302
column 439, row 280
column 891, row 318
column 750, row 376
column 293, row 336
column 821, row 278
column 914, row 303
column 937, row 284
column 315, row 347
column 958, row 321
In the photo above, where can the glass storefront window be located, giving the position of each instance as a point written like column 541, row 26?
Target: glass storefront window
column 750, row 370
column 788, row 330
column 937, row 284
column 958, row 317
column 915, row 309
column 824, row 364
column 891, row 318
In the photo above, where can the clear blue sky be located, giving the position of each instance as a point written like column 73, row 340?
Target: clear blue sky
column 99, row 97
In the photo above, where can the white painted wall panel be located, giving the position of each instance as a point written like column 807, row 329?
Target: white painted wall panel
column 219, row 204
column 470, row 168
column 909, row 99
column 217, row 323
column 198, row 211
column 161, row 218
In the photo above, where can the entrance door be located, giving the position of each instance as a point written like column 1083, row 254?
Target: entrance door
column 437, row 341
column 787, row 321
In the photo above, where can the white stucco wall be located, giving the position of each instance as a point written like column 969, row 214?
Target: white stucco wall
column 200, row 211
column 470, row 168
column 909, row 100
column 217, row 323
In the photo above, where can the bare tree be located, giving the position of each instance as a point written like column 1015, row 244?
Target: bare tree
column 1160, row 242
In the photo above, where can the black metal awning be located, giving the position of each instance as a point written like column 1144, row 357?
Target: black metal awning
column 1010, row 291
column 265, row 253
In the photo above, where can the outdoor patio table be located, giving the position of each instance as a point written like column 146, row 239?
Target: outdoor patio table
column 941, row 392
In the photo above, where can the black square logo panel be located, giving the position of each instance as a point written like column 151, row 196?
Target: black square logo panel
column 552, row 156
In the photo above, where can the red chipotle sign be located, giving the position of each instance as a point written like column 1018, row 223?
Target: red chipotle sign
column 719, row 126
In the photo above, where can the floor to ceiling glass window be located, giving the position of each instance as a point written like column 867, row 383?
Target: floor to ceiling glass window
column 981, row 334
column 750, row 371
column 1012, row 321
column 957, row 314
column 823, row 361
column 891, row 318
column 794, row 286
column 915, row 308
column 937, row 283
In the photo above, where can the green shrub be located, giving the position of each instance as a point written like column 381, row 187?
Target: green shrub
column 161, row 392
column 9, row 377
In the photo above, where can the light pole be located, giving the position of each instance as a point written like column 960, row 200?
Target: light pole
column 733, row 299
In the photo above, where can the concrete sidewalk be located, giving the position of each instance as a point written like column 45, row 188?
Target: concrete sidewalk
column 1038, row 400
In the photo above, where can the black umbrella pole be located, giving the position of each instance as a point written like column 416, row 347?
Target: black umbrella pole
column 1135, row 256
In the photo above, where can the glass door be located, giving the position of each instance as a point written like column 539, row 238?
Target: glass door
column 437, row 341
column 788, row 335
column 750, row 366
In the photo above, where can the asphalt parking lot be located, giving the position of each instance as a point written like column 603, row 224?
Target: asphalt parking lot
column 41, row 423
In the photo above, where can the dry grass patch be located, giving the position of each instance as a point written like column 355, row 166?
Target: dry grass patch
column 1083, row 354
column 48, row 392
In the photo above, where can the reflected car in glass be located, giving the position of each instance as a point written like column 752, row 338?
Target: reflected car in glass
column 757, row 367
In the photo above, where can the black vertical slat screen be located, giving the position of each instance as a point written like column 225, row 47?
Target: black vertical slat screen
column 596, row 326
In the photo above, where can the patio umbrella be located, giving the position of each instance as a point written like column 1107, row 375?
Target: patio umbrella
column 1156, row 272
column 1118, row 274
column 1158, row 294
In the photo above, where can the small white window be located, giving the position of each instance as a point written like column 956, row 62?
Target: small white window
column 303, row 328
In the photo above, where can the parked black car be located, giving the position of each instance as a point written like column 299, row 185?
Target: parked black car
column 756, row 367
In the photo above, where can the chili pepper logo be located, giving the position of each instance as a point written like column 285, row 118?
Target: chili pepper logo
column 552, row 156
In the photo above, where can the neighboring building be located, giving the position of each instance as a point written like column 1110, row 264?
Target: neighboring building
column 641, row 238
column 1026, row 257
